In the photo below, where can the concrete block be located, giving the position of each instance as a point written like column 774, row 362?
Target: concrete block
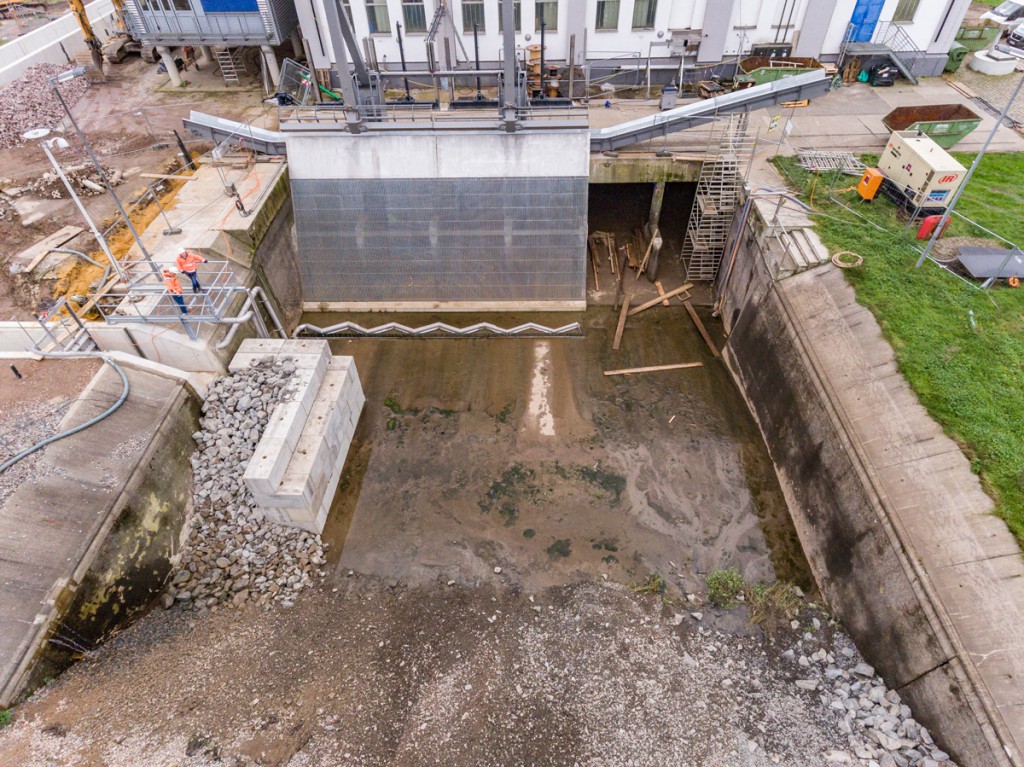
column 285, row 423
column 267, row 466
column 261, row 346
column 303, row 389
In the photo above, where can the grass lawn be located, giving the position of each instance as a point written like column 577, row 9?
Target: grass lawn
column 969, row 377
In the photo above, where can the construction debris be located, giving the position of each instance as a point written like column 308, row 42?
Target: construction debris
column 654, row 368
column 29, row 102
column 232, row 555
column 84, row 178
column 659, row 299
column 818, row 161
column 701, row 329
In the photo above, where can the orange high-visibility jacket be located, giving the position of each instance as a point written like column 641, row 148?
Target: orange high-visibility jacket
column 173, row 283
column 188, row 261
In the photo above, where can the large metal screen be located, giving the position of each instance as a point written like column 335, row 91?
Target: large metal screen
column 465, row 239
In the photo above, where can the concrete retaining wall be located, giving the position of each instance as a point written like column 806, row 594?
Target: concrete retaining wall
column 889, row 521
column 87, row 546
column 56, row 42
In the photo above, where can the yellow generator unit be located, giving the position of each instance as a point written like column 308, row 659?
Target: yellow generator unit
column 920, row 172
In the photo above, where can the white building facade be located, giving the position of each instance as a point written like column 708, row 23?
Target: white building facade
column 706, row 37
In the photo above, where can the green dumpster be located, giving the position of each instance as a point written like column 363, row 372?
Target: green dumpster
column 977, row 38
column 945, row 124
column 758, row 70
column 957, row 54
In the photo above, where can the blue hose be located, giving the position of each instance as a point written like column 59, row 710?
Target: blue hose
column 49, row 440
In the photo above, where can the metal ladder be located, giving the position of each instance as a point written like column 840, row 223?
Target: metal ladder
column 728, row 154
column 229, row 66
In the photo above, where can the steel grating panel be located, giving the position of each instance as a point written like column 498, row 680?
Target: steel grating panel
column 474, row 239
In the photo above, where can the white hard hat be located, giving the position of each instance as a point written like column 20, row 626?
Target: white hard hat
column 171, row 269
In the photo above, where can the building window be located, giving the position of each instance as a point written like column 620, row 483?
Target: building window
column 415, row 15
column 377, row 17
column 182, row 5
column 546, row 11
column 607, row 14
column 347, row 5
column 473, row 13
column 517, row 11
column 643, row 14
column 905, row 10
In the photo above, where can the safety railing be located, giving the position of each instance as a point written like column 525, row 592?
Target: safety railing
column 151, row 24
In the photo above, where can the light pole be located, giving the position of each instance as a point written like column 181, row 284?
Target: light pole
column 974, row 166
column 70, row 75
column 40, row 134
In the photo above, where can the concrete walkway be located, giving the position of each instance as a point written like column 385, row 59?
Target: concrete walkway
column 966, row 563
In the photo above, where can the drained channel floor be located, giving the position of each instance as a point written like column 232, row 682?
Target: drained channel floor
column 521, row 454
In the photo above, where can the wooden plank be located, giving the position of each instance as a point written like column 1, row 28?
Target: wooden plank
column 653, row 369
column 621, row 326
column 661, row 292
column 659, row 299
column 160, row 177
column 34, row 254
column 701, row 329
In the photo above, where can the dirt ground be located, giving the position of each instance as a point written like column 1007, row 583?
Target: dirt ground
column 128, row 121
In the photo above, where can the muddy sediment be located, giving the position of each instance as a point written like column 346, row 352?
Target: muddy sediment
column 521, row 454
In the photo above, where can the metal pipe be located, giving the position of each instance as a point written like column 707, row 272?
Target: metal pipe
column 103, row 177
column 247, row 311
column 970, row 173
column 476, row 52
column 401, row 56
column 542, row 27
column 508, row 32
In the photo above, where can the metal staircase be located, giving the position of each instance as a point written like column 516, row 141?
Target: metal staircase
column 230, row 62
column 728, row 154
column 890, row 40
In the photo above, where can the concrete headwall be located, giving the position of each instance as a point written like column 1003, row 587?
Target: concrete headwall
column 440, row 219
column 891, row 521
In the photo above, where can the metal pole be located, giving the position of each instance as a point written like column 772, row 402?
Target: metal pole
column 106, row 181
column 401, row 55
column 970, row 173
column 476, row 51
column 508, row 30
column 542, row 27
column 83, row 211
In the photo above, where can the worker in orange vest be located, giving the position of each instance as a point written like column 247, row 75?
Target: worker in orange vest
column 187, row 262
column 173, row 285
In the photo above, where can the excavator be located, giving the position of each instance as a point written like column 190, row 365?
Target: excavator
column 95, row 47
column 118, row 47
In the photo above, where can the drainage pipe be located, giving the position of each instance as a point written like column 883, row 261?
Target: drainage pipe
column 81, row 427
column 250, row 311
column 104, row 267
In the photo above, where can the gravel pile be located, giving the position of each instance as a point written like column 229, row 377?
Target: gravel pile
column 84, row 179
column 880, row 729
column 21, row 427
column 232, row 556
column 29, row 103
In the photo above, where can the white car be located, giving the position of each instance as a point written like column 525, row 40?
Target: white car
column 1009, row 12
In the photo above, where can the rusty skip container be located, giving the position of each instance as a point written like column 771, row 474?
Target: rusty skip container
column 945, row 124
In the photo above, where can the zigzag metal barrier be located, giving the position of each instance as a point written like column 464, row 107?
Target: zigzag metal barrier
column 439, row 330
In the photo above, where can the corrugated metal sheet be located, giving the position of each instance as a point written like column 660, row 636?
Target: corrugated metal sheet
column 513, row 239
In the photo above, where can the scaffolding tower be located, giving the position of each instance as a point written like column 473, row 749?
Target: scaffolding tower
column 727, row 158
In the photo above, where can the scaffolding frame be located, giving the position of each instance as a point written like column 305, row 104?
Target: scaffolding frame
column 730, row 150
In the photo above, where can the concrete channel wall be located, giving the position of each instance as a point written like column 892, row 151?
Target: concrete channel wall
column 87, row 546
column 899, row 535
